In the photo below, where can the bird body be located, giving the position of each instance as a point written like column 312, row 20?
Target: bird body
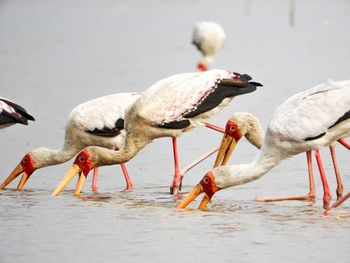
column 11, row 113
column 208, row 37
column 96, row 122
column 307, row 121
column 167, row 109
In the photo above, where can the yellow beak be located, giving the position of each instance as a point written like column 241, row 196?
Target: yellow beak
column 228, row 144
column 13, row 175
column 206, row 186
column 74, row 170
column 196, row 191
column 23, row 181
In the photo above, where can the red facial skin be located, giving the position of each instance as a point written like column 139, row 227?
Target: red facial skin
column 208, row 184
column 232, row 130
column 83, row 161
column 28, row 165
column 201, row 67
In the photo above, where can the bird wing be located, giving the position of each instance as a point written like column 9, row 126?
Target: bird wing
column 11, row 113
column 183, row 96
column 103, row 116
column 308, row 115
column 15, row 112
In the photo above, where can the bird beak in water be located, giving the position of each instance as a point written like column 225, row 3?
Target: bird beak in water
column 23, row 181
column 74, row 170
column 13, row 175
column 206, row 186
column 228, row 143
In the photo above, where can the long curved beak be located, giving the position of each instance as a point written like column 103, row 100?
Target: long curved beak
column 13, row 175
column 80, row 184
column 23, row 181
column 207, row 186
column 228, row 144
column 74, row 170
column 196, row 191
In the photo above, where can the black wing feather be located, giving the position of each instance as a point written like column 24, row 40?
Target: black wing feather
column 341, row 119
column 19, row 109
column 109, row 132
column 225, row 89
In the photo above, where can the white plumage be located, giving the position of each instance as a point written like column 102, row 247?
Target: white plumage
column 310, row 113
column 167, row 109
column 180, row 95
column 91, row 123
column 208, row 37
column 307, row 121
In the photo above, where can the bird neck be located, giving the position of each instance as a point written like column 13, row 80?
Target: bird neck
column 205, row 62
column 103, row 156
column 227, row 176
column 256, row 135
column 46, row 157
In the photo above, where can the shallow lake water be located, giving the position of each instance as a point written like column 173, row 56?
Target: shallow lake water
column 57, row 54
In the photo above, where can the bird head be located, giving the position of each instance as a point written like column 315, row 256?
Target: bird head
column 26, row 166
column 210, row 184
column 81, row 166
column 228, row 143
column 207, row 186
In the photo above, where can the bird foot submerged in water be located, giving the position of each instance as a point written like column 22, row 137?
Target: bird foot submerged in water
column 175, row 188
column 341, row 200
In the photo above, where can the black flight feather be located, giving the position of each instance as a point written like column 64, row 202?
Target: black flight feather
column 19, row 109
column 226, row 88
column 341, row 119
column 109, row 132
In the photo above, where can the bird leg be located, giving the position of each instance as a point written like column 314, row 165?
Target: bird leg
column 341, row 200
column 193, row 164
column 308, row 197
column 344, row 143
column 327, row 194
column 94, row 180
column 214, row 127
column 199, row 160
column 176, row 185
column 129, row 185
column 337, row 173
column 344, row 197
column 177, row 181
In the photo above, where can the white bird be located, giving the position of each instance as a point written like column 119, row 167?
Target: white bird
column 208, row 37
column 246, row 124
column 11, row 113
column 96, row 122
column 167, row 109
column 307, row 121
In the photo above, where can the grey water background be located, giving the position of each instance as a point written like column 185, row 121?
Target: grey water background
column 57, row 54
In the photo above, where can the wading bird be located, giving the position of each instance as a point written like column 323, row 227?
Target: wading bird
column 307, row 121
column 167, row 109
column 96, row 122
column 11, row 113
column 246, row 124
column 208, row 37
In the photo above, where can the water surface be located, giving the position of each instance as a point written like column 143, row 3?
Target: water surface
column 57, row 54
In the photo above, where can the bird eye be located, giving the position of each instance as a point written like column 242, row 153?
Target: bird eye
column 26, row 159
column 206, row 180
column 82, row 159
column 233, row 128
